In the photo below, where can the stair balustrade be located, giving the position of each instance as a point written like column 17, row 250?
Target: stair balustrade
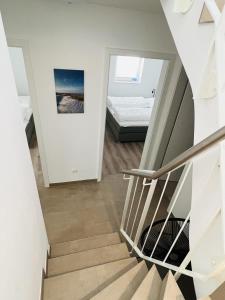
column 147, row 194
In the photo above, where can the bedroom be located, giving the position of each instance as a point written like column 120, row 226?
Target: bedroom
column 131, row 92
column 25, row 102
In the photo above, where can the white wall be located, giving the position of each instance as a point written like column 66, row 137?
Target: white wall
column 181, row 139
column 75, row 37
column 149, row 80
column 193, row 41
column 18, row 65
column 160, row 115
column 182, row 136
column 23, row 237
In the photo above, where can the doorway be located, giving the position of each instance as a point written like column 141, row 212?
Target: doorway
column 132, row 97
column 25, row 102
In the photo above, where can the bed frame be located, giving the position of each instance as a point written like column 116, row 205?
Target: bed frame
column 125, row 134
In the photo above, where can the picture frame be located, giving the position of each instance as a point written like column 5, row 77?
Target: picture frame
column 69, row 91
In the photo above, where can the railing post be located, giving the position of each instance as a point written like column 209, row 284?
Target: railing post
column 145, row 211
column 214, row 10
column 144, row 184
column 156, row 211
column 127, row 201
column 176, row 197
column 132, row 203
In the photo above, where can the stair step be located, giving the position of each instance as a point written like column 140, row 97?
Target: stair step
column 125, row 286
column 86, row 259
column 218, row 294
column 94, row 242
column 150, row 287
column 84, row 284
column 170, row 290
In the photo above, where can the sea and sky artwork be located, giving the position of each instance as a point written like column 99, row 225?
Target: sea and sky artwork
column 69, row 86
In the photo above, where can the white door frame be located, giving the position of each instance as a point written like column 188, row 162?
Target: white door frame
column 168, row 71
column 31, row 84
column 160, row 116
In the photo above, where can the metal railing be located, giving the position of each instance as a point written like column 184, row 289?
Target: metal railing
column 144, row 200
column 182, row 159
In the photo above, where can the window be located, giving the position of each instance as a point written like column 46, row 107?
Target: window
column 129, row 69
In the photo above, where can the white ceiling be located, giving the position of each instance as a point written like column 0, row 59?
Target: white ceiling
column 143, row 5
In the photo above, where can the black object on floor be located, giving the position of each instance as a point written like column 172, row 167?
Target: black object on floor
column 169, row 234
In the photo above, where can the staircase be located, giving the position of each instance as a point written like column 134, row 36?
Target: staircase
column 100, row 268
column 201, row 47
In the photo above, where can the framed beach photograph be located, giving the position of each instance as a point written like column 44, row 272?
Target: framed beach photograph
column 69, row 89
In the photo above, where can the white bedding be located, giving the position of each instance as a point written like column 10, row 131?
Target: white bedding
column 130, row 102
column 132, row 114
column 131, row 111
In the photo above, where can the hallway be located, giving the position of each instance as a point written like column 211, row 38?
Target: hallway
column 80, row 209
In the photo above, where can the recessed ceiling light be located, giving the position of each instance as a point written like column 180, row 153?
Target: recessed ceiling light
column 183, row 6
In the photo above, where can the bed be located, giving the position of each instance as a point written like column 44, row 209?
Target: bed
column 27, row 116
column 128, row 117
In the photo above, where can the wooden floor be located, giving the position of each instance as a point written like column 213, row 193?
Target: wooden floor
column 79, row 209
column 120, row 156
column 82, row 209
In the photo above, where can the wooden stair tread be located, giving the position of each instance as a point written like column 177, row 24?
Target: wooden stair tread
column 150, row 287
column 94, row 242
column 124, row 287
column 86, row 259
column 84, row 284
column 170, row 290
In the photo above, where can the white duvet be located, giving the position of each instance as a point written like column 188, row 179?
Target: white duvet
column 130, row 102
column 132, row 114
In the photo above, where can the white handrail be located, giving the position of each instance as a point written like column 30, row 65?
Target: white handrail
column 134, row 242
column 185, row 159
column 214, row 10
